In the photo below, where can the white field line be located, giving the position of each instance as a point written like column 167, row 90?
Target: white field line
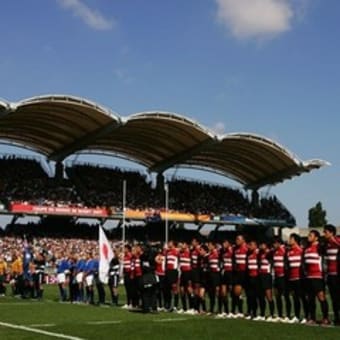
column 171, row 320
column 39, row 331
column 21, row 304
column 104, row 322
column 43, row 325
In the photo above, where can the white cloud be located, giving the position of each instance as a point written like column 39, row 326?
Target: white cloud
column 256, row 18
column 91, row 17
column 218, row 128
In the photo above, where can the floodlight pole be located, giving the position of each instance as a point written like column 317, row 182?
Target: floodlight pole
column 166, row 191
column 124, row 208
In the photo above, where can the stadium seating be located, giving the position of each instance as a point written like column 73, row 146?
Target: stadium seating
column 24, row 180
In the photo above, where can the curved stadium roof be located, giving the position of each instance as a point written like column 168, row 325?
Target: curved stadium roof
column 60, row 125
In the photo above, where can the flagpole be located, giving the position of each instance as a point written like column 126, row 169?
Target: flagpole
column 166, row 189
column 124, row 208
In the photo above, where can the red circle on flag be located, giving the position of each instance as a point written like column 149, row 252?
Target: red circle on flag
column 105, row 251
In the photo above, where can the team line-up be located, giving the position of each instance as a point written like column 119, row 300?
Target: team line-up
column 284, row 277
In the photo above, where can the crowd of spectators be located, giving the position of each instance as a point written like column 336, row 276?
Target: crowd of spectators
column 24, row 180
column 68, row 230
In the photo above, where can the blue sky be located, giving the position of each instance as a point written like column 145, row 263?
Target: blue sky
column 264, row 66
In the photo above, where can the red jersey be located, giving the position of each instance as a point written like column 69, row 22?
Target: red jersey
column 227, row 259
column 137, row 268
column 127, row 263
column 171, row 259
column 279, row 261
column 185, row 261
column 214, row 260
column 240, row 256
column 194, row 258
column 313, row 262
column 294, row 257
column 332, row 252
column 160, row 266
column 252, row 264
column 265, row 265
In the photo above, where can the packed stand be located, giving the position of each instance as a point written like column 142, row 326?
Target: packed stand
column 24, row 180
column 87, row 186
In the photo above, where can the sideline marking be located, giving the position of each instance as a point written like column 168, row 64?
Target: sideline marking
column 21, row 304
column 170, row 320
column 39, row 331
column 103, row 322
column 43, row 325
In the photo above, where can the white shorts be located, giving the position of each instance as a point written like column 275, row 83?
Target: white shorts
column 61, row 278
column 80, row 277
column 89, row 280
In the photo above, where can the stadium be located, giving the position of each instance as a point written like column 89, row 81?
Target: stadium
column 58, row 126
column 149, row 210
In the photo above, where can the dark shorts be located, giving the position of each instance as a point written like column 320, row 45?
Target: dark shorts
column 195, row 276
column 171, row 276
column 227, row 278
column 239, row 279
column 315, row 286
column 214, row 279
column 253, row 286
column 39, row 277
column 185, row 279
column 266, row 281
column 280, row 284
column 114, row 281
column 204, row 280
column 295, row 287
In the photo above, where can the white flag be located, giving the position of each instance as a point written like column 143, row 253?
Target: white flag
column 105, row 256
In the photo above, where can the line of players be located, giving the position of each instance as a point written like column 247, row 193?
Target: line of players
column 265, row 273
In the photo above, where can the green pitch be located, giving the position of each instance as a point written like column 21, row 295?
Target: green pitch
column 75, row 322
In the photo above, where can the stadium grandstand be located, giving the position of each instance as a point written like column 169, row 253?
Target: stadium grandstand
column 57, row 126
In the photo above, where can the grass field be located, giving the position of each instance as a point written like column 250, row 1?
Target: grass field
column 77, row 322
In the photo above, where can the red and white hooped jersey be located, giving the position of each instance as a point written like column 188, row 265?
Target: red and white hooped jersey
column 294, row 258
column 227, row 259
column 137, row 268
column 127, row 263
column 214, row 261
column 160, row 265
column 253, row 264
column 185, row 261
column 279, row 261
column 313, row 262
column 265, row 265
column 195, row 253
column 332, row 253
column 240, row 257
column 171, row 259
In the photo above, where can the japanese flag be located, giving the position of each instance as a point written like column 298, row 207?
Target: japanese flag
column 105, row 256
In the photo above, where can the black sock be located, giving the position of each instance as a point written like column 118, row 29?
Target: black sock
column 220, row 304
column 324, row 309
column 191, row 301
column 204, row 307
column 262, row 306
column 176, row 299
column 240, row 305
column 212, row 298
column 226, row 305
column 279, row 306
column 184, row 301
column 297, row 306
column 271, row 308
column 235, row 302
column 288, row 306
